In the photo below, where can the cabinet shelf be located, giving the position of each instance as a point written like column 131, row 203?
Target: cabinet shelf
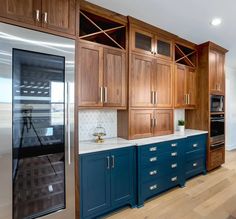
column 97, row 29
column 185, row 55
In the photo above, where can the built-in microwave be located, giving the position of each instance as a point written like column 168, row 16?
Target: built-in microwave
column 217, row 103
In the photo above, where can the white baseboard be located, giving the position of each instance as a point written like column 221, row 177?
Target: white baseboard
column 230, row 147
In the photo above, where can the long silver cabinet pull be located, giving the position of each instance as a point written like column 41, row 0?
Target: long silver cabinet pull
column 174, row 145
column 174, row 154
column 153, row 187
column 45, row 14
column 174, row 165
column 108, row 162
column 101, row 94
column 105, row 94
column 152, row 98
column 68, row 123
column 155, row 122
column 153, row 159
column 155, row 97
column 113, row 161
column 173, row 179
column 152, row 173
column 153, row 149
column 37, row 15
column 195, row 145
column 152, row 123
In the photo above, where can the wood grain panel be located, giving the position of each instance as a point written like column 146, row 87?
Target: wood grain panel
column 60, row 15
column 192, row 86
column 141, row 123
column 163, row 83
column 23, row 10
column 141, row 81
column 90, row 75
column 213, row 71
column 115, row 78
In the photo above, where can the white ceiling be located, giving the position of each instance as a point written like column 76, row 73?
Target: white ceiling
column 189, row 19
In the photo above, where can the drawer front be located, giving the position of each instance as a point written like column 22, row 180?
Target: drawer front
column 160, row 148
column 160, row 170
column 155, row 160
column 195, row 166
column 193, row 155
column 196, row 143
column 159, row 185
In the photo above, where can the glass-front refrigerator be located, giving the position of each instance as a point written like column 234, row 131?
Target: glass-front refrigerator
column 36, row 125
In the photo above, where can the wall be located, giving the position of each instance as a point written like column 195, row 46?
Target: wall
column 90, row 119
column 230, row 103
column 179, row 114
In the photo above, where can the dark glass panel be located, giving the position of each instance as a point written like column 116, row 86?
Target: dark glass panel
column 143, row 42
column 163, row 48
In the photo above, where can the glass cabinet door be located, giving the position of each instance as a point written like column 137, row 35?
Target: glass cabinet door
column 163, row 48
column 38, row 134
column 142, row 42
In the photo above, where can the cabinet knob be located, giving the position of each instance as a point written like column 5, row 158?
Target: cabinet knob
column 174, row 154
column 153, row 149
column 174, row 165
column 153, row 159
column 195, row 164
column 153, row 187
column 173, row 179
column 195, row 145
column 174, row 145
column 152, row 173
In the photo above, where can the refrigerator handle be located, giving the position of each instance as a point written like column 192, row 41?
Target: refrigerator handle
column 68, row 123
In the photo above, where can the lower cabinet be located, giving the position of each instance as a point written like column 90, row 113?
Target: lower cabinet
column 107, row 181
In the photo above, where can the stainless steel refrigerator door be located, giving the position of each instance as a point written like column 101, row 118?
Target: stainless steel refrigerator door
column 21, row 38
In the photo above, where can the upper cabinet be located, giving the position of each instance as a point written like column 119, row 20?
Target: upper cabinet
column 27, row 11
column 149, row 43
column 102, row 76
column 216, row 72
column 185, row 87
column 51, row 15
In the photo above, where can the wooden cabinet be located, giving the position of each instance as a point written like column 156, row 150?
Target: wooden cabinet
column 216, row 158
column 102, row 76
column 216, row 72
column 55, row 15
column 149, row 43
column 163, row 83
column 107, row 181
column 59, row 15
column 24, row 11
column 185, row 86
column 147, row 123
column 90, row 78
column 141, row 81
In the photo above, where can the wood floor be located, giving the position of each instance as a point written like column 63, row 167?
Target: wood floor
column 212, row 196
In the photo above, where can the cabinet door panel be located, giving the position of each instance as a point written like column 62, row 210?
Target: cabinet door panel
column 164, row 122
column 122, row 175
column 220, row 73
column 191, row 86
column 180, row 86
column 141, row 81
column 141, row 123
column 60, row 15
column 163, row 84
column 90, row 75
column 114, row 78
column 95, row 183
column 213, row 71
column 21, row 10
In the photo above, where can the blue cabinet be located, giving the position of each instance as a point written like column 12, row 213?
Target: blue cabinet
column 108, row 181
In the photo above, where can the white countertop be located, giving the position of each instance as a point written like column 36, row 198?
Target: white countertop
column 115, row 143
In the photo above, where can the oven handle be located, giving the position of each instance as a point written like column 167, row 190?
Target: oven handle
column 68, row 123
column 217, row 144
column 217, row 120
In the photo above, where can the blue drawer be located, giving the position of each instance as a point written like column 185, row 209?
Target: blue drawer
column 152, row 160
column 195, row 166
column 159, row 185
column 196, row 143
column 159, row 170
column 160, row 148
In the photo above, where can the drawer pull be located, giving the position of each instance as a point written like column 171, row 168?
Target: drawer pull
column 195, row 145
column 153, row 149
column 152, row 173
column 174, row 145
column 153, row 159
column 153, row 187
column 174, row 154
column 174, row 165
column 174, row 179
column 194, row 164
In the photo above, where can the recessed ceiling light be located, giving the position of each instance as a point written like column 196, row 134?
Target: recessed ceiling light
column 216, row 21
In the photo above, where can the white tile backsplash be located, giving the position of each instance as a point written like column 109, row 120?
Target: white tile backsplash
column 179, row 114
column 90, row 119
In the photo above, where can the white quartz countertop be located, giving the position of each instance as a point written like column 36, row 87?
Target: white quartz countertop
column 115, row 143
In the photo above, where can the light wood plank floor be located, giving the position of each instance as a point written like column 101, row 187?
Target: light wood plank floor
column 212, row 196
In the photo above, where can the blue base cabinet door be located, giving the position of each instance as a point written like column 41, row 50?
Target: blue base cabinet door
column 95, row 181
column 107, row 181
column 122, row 176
